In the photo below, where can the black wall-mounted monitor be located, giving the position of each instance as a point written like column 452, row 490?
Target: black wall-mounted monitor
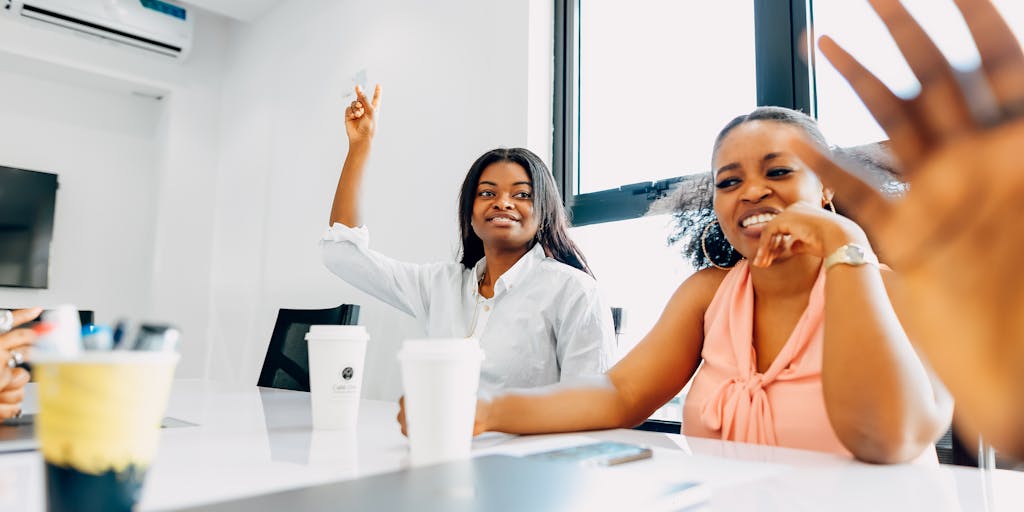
column 27, row 200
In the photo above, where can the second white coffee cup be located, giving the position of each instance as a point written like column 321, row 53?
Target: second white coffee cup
column 440, row 379
column 336, row 361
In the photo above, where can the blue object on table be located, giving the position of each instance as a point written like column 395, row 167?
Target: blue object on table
column 97, row 337
column 156, row 338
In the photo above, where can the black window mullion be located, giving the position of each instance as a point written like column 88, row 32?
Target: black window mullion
column 804, row 87
column 566, row 114
column 783, row 76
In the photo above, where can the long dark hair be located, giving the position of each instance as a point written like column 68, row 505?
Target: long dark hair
column 552, row 221
column 693, row 209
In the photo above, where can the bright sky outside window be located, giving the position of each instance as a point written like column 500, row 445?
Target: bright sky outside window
column 658, row 79
column 852, row 23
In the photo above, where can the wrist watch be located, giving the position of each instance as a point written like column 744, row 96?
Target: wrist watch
column 851, row 254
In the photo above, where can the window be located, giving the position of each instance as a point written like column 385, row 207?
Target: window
column 645, row 81
column 852, row 23
column 639, row 280
column 642, row 88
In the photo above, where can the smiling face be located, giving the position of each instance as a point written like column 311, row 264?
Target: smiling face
column 503, row 207
column 756, row 177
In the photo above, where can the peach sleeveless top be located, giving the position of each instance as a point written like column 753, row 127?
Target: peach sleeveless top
column 730, row 400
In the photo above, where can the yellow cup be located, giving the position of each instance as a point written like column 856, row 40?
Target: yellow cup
column 99, row 425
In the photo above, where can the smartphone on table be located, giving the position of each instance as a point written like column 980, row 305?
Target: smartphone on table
column 604, row 453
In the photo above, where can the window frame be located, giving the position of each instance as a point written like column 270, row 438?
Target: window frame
column 783, row 77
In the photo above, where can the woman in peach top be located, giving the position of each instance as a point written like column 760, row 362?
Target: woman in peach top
column 791, row 318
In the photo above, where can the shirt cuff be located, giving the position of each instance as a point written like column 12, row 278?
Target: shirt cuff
column 360, row 236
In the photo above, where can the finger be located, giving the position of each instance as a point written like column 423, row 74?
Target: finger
column 19, row 378
column 376, row 98
column 1002, row 58
column 865, row 204
column 771, row 251
column 8, row 411
column 13, row 396
column 22, row 316
column 6, row 374
column 401, row 415
column 893, row 114
column 789, row 245
column 16, row 339
column 778, row 247
column 783, row 245
column 365, row 103
column 941, row 106
column 764, row 245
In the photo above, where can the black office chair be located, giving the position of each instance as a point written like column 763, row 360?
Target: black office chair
column 951, row 449
column 86, row 317
column 618, row 322
column 286, row 365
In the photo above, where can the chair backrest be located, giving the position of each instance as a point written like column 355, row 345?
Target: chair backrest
column 86, row 317
column 286, row 365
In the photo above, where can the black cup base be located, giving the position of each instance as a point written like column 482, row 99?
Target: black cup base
column 68, row 489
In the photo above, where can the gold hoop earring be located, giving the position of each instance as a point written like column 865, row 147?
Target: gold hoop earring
column 704, row 247
column 832, row 206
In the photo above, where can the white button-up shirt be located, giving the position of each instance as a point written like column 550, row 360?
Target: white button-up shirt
column 546, row 321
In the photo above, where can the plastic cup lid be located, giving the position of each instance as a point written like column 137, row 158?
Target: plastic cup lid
column 441, row 347
column 108, row 357
column 338, row 332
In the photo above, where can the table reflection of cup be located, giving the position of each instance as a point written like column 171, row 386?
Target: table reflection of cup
column 99, row 424
column 336, row 448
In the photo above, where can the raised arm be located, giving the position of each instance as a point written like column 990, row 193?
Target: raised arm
column 650, row 375
column 954, row 237
column 360, row 125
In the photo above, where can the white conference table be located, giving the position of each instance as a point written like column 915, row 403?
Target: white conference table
column 250, row 441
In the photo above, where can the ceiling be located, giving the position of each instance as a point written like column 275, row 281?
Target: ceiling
column 241, row 10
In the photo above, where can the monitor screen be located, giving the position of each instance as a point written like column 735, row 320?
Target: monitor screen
column 27, row 201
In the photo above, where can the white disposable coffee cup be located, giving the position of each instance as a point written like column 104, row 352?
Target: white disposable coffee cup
column 336, row 357
column 440, row 379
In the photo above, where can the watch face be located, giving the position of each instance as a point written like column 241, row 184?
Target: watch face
column 854, row 253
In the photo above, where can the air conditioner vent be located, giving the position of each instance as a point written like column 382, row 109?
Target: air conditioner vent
column 155, row 26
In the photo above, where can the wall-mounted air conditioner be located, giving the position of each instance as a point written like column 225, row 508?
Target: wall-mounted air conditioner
column 156, row 26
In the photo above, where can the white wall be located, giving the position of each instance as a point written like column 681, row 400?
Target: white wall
column 133, row 232
column 457, row 82
column 241, row 157
column 103, row 147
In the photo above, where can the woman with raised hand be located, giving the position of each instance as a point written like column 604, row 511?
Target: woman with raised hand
column 799, row 343
column 522, row 287
column 955, row 237
column 15, row 345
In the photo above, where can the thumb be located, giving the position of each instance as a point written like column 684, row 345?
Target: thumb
column 863, row 202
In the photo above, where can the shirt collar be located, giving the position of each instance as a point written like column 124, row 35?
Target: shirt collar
column 514, row 275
